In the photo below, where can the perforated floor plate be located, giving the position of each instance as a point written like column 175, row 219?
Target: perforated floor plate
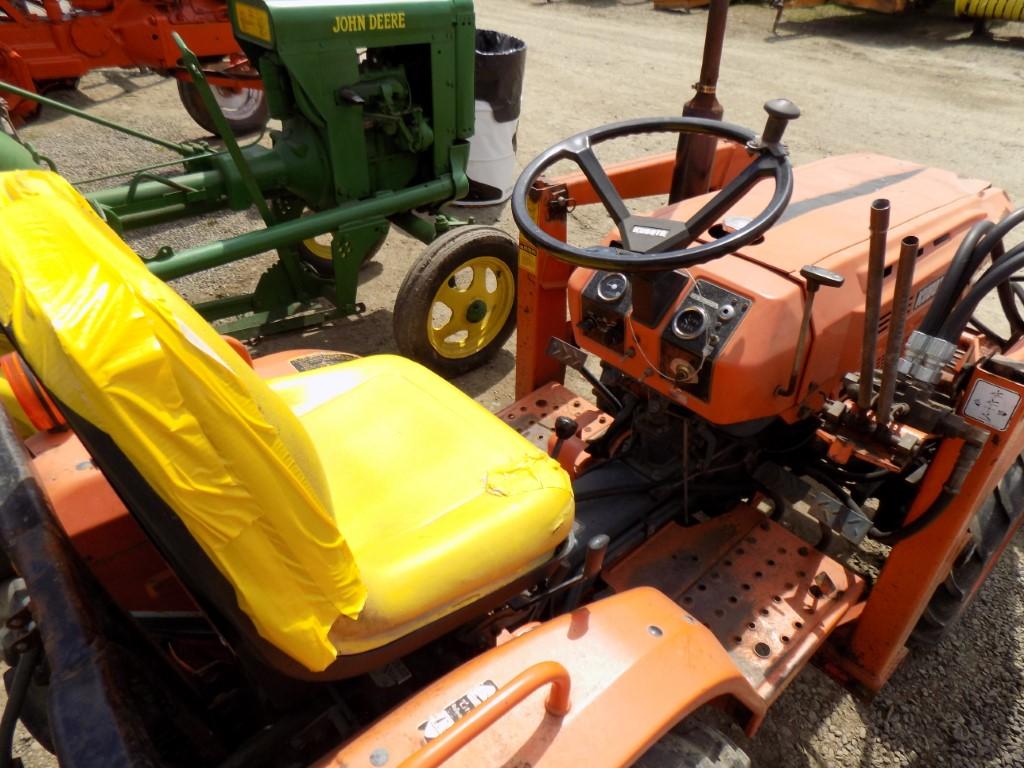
column 770, row 599
column 534, row 416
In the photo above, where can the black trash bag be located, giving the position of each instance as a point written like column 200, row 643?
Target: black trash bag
column 500, row 65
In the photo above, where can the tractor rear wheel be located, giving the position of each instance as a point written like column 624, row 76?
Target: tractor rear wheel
column 245, row 109
column 457, row 305
column 695, row 745
column 992, row 524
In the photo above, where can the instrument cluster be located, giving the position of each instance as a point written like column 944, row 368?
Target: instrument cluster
column 687, row 321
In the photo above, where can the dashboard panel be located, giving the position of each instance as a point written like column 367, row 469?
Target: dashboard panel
column 694, row 335
column 697, row 332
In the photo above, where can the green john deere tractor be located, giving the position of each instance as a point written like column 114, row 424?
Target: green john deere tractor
column 376, row 103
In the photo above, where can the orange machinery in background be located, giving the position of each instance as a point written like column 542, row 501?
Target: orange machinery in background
column 47, row 46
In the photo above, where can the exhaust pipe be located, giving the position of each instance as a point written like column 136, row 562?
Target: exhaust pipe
column 873, row 301
column 696, row 154
column 897, row 325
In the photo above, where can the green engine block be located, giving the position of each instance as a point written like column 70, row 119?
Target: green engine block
column 387, row 88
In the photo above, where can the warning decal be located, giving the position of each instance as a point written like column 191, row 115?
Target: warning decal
column 440, row 722
column 991, row 405
column 320, row 360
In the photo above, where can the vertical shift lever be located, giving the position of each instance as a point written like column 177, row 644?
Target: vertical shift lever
column 565, row 427
column 597, row 548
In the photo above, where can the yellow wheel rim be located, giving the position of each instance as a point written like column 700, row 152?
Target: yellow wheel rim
column 471, row 307
column 319, row 247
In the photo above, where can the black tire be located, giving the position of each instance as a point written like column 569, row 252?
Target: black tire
column 695, row 745
column 991, row 526
column 441, row 266
column 251, row 117
column 322, row 263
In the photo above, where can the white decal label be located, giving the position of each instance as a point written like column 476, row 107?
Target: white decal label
column 991, row 405
column 440, row 722
column 927, row 293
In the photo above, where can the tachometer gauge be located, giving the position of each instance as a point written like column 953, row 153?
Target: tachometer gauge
column 690, row 323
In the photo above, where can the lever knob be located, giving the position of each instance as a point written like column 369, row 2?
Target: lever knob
column 565, row 427
column 597, row 547
column 780, row 112
column 817, row 277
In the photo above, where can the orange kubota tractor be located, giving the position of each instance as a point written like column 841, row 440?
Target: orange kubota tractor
column 48, row 45
column 312, row 560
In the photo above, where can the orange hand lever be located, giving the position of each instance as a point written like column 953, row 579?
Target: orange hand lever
column 484, row 716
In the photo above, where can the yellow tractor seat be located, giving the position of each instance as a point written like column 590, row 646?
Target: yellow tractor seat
column 319, row 518
column 439, row 501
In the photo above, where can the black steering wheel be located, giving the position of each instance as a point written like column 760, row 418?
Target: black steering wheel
column 653, row 244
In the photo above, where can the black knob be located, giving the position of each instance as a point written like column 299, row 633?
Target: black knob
column 780, row 112
column 817, row 277
column 565, row 427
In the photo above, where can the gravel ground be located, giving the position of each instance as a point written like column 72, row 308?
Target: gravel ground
column 916, row 87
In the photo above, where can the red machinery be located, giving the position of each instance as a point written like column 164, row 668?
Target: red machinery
column 45, row 47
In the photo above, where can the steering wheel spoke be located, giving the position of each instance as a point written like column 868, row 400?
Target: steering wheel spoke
column 717, row 206
column 606, row 191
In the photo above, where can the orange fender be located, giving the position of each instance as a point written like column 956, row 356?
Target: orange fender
column 637, row 664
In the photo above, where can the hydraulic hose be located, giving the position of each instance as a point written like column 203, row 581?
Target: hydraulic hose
column 956, row 278
column 841, row 493
column 974, row 441
column 1008, row 294
column 852, row 476
column 995, row 276
column 992, row 245
column 983, row 239
column 1000, row 230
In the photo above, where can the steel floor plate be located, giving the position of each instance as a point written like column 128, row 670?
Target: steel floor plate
column 534, row 415
column 769, row 597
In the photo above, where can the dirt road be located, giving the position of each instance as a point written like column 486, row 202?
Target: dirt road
column 915, row 88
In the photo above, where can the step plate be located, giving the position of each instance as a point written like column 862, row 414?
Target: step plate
column 534, row 415
column 769, row 598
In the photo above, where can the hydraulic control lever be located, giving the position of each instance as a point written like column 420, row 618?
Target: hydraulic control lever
column 816, row 278
column 879, row 229
column 575, row 358
column 897, row 325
